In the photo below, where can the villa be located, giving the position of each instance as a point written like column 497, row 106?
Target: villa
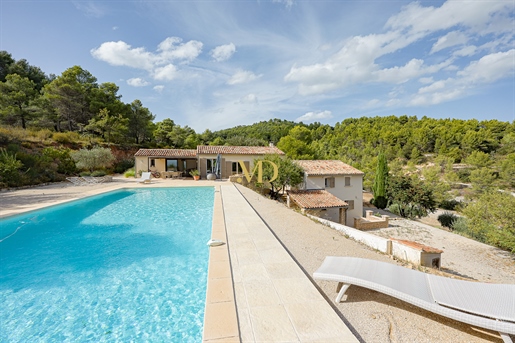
column 179, row 162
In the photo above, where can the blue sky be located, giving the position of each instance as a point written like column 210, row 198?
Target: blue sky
column 218, row 64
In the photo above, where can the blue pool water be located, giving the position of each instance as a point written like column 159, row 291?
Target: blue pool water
column 127, row 266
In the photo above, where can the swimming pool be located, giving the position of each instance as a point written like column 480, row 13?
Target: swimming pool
column 125, row 266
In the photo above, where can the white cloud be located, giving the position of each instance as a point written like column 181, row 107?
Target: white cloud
column 357, row 63
column 159, row 64
column 159, row 88
column 242, row 76
column 465, row 51
column 223, row 52
column 312, row 116
column 487, row 69
column 433, row 87
column 450, row 39
column 490, row 68
column 436, row 98
column 166, row 73
column 115, row 28
column 392, row 102
column 169, row 50
column 372, row 103
column 452, row 67
column 426, row 80
column 137, row 82
column 288, row 3
column 90, row 8
column 122, row 54
column 418, row 19
column 249, row 99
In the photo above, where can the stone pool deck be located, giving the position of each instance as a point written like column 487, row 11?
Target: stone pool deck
column 275, row 300
column 256, row 291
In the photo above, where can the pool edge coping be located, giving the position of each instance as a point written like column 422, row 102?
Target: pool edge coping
column 220, row 316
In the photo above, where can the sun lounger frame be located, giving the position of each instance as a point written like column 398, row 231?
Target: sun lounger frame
column 489, row 306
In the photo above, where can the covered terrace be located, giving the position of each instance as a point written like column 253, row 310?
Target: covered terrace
column 167, row 162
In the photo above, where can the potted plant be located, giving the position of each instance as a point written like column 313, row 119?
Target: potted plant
column 196, row 174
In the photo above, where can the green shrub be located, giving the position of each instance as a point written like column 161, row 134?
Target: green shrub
column 9, row 134
column 43, row 135
column 447, row 219
column 123, row 165
column 450, row 204
column 129, row 173
column 98, row 173
column 409, row 211
column 62, row 158
column 491, row 219
column 464, row 175
column 395, row 209
column 9, row 169
column 85, row 173
column 66, row 137
column 96, row 158
column 460, row 225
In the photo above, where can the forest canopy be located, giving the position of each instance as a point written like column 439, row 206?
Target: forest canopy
column 73, row 106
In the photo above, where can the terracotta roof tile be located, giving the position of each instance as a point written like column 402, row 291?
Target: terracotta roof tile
column 310, row 199
column 327, row 167
column 418, row 246
column 166, row 152
column 238, row 150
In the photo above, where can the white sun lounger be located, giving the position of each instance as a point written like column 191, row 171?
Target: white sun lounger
column 489, row 306
column 93, row 180
column 145, row 177
column 77, row 181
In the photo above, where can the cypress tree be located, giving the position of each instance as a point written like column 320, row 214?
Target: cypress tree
column 380, row 182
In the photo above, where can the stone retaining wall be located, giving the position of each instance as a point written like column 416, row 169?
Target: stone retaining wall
column 370, row 221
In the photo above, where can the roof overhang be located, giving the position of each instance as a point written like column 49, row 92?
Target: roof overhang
column 316, row 199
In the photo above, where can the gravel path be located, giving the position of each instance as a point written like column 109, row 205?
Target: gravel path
column 375, row 317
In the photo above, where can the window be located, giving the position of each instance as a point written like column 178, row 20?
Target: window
column 152, row 163
column 347, row 181
column 329, row 182
column 171, row 165
column 351, row 204
column 211, row 165
column 236, row 168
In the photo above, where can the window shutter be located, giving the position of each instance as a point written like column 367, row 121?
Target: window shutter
column 203, row 167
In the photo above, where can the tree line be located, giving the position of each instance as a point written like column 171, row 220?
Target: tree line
column 73, row 106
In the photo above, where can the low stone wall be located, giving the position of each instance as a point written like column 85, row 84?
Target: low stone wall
column 413, row 252
column 370, row 222
column 373, row 241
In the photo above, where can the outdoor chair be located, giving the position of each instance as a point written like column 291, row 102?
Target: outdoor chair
column 77, row 181
column 485, row 305
column 145, row 177
column 93, row 180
